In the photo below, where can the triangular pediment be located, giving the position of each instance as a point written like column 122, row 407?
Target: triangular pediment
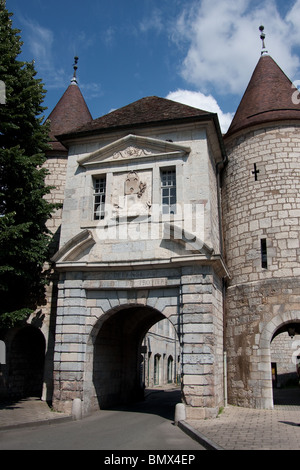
column 133, row 147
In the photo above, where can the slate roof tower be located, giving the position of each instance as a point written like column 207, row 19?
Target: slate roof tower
column 70, row 112
column 261, row 212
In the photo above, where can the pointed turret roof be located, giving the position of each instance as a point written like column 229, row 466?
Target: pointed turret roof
column 268, row 98
column 70, row 112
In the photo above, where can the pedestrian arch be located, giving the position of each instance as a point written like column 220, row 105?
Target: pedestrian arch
column 278, row 324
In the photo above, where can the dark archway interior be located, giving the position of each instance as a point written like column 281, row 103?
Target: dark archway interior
column 292, row 328
column 116, row 366
column 26, row 363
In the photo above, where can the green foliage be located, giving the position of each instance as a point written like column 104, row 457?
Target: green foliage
column 24, row 238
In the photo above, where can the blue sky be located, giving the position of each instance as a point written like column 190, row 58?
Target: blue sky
column 200, row 52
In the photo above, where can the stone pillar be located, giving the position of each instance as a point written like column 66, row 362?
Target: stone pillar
column 202, row 342
column 69, row 356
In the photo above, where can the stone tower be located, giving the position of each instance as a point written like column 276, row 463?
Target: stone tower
column 261, row 212
column 70, row 112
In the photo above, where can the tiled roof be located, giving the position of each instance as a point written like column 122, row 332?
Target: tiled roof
column 70, row 112
column 145, row 111
column 268, row 98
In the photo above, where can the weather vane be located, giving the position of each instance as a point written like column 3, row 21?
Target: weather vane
column 262, row 37
column 74, row 79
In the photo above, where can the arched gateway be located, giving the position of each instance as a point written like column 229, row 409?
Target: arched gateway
column 100, row 333
column 115, row 355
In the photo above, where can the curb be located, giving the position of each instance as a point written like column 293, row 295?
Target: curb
column 29, row 424
column 197, row 436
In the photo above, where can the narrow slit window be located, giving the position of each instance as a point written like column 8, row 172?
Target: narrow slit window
column 99, row 198
column 168, row 191
column 264, row 254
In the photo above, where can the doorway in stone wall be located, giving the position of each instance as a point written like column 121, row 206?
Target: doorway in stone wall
column 26, row 363
column 118, row 356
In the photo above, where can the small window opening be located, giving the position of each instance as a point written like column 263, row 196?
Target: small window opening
column 263, row 249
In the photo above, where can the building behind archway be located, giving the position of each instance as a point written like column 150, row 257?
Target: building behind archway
column 161, row 360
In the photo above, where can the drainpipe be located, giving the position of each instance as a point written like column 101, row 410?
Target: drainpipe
column 225, row 378
column 219, row 168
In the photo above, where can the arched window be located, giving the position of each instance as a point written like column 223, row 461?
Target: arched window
column 170, row 369
column 156, row 369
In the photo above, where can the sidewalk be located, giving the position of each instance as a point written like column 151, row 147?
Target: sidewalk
column 249, row 429
column 235, row 428
column 28, row 412
column 246, row 429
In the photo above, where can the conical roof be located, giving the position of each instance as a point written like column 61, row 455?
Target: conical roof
column 268, row 98
column 70, row 112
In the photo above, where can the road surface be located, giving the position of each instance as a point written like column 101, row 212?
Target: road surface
column 147, row 425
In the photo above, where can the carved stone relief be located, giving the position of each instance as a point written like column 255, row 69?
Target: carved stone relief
column 132, row 193
column 133, row 185
column 131, row 152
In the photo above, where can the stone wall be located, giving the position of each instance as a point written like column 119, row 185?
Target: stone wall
column 108, row 325
column 57, row 168
column 284, row 352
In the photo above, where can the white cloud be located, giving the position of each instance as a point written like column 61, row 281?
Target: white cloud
column 91, row 90
column 204, row 102
column 223, row 43
column 41, row 43
column 39, row 40
column 154, row 21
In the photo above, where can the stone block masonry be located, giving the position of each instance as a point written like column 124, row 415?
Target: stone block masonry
column 101, row 320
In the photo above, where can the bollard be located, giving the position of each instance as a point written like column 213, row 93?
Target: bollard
column 76, row 409
column 179, row 413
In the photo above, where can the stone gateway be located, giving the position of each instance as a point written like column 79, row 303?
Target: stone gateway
column 165, row 218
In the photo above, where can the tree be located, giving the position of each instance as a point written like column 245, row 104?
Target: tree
column 24, row 211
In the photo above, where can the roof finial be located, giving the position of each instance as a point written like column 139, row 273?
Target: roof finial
column 74, row 79
column 262, row 37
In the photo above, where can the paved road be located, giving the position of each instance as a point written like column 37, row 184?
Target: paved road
column 145, row 426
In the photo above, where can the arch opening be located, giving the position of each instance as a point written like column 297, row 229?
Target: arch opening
column 285, row 364
column 118, row 355
column 26, row 363
column 161, row 356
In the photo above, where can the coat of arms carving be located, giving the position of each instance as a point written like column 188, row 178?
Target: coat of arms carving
column 133, row 185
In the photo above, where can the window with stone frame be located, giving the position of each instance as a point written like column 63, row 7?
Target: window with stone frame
column 168, row 190
column 99, row 197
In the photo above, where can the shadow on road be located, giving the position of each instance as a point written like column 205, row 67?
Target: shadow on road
column 286, row 396
column 158, row 402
